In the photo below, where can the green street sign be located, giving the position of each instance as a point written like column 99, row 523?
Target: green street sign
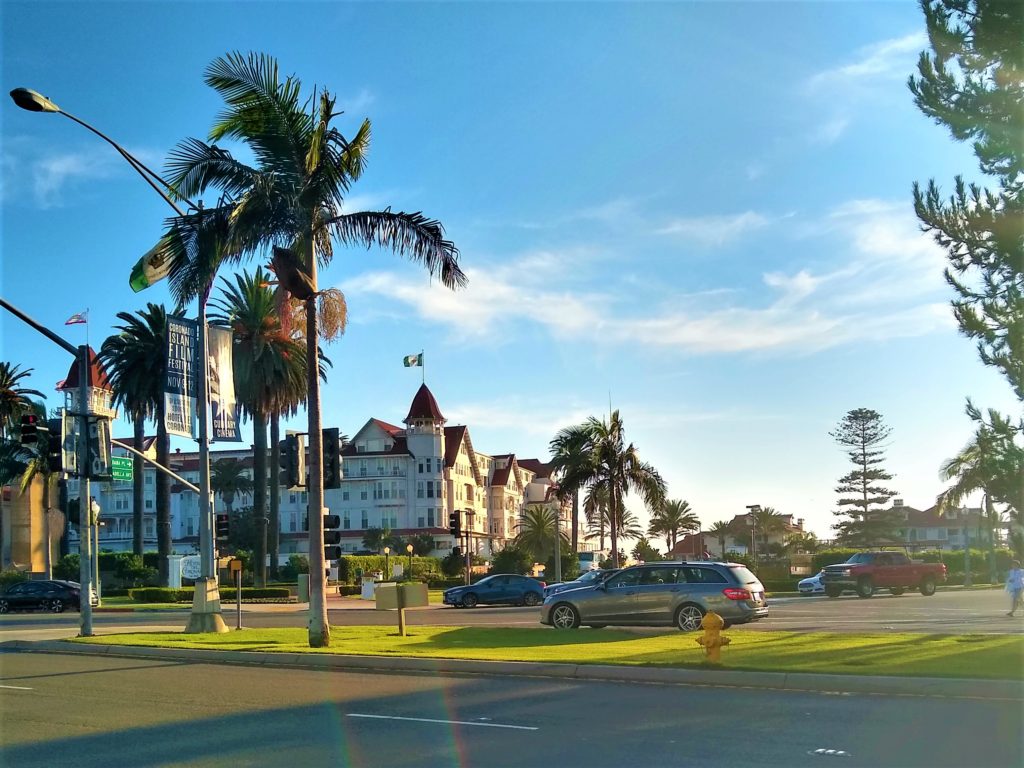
column 121, row 468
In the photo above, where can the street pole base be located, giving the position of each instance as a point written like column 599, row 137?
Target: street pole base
column 206, row 609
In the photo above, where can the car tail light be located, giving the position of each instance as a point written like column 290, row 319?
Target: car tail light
column 543, row 583
column 737, row 594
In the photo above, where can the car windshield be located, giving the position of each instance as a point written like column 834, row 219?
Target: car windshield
column 861, row 557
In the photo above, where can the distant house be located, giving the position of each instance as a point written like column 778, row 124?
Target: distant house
column 927, row 529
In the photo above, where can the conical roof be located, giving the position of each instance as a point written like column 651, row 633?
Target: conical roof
column 424, row 406
column 97, row 376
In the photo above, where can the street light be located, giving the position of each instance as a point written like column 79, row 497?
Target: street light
column 207, row 594
column 408, row 548
column 753, row 509
column 387, row 563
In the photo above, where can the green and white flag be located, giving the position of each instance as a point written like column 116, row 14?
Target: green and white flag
column 413, row 361
column 151, row 268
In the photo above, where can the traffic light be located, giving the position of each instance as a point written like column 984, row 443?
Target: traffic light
column 457, row 552
column 455, row 524
column 223, row 526
column 54, row 446
column 332, row 457
column 31, row 425
column 332, row 537
column 293, row 461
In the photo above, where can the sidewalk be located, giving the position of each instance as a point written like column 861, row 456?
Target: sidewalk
column 1005, row 690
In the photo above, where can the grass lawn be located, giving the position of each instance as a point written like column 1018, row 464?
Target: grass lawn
column 904, row 654
column 124, row 601
column 434, row 597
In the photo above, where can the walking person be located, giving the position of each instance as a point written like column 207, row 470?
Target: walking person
column 1015, row 586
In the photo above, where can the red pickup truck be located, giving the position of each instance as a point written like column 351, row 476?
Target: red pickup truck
column 866, row 572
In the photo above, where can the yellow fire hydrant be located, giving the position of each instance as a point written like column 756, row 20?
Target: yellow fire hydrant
column 713, row 640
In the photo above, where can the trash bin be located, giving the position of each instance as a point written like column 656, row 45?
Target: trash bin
column 367, row 590
column 303, row 587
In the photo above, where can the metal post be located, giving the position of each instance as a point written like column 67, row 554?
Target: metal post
column 96, row 553
column 84, row 496
column 238, row 599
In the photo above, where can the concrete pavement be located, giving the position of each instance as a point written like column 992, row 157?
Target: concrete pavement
column 115, row 711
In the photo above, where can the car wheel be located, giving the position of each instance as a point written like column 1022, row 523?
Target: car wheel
column 833, row 591
column 5, row 607
column 928, row 587
column 56, row 606
column 896, row 591
column 532, row 599
column 865, row 588
column 469, row 601
column 564, row 616
column 689, row 616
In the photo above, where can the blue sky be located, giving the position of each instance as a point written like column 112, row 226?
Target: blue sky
column 700, row 211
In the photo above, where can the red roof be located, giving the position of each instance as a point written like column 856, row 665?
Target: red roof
column 391, row 429
column 539, row 468
column 452, row 440
column 424, row 406
column 500, row 476
column 97, row 376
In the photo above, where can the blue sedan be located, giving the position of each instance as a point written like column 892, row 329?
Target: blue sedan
column 500, row 588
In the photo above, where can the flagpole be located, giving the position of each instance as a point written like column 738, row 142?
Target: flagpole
column 423, row 365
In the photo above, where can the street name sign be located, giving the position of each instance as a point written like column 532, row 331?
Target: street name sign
column 122, row 468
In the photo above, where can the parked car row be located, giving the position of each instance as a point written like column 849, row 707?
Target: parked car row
column 52, row 595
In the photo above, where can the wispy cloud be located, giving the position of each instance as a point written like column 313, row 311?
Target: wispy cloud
column 715, row 230
column 355, row 105
column 888, row 285
column 885, row 59
column 830, row 131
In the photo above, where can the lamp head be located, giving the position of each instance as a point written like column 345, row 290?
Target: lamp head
column 408, row 548
column 33, row 101
column 387, row 550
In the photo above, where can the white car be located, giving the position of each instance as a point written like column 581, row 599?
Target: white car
column 812, row 585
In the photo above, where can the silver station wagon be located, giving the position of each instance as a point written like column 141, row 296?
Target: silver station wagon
column 661, row 594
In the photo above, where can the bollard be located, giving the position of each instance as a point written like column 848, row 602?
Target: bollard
column 712, row 639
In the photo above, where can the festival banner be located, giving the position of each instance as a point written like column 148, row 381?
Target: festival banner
column 180, row 382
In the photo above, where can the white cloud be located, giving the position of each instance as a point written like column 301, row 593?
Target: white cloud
column 884, row 59
column 714, row 230
column 830, row 131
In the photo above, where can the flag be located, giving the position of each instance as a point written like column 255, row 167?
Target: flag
column 79, row 318
column 413, row 361
column 153, row 267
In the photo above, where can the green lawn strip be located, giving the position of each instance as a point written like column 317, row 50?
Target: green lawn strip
column 901, row 654
column 434, row 596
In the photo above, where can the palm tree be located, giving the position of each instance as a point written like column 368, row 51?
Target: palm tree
column 537, row 529
column 422, row 544
column 13, row 459
column 671, row 519
column 570, row 462
column 14, row 398
column 720, row 530
column 228, row 478
column 37, row 464
column 268, row 367
column 802, row 542
column 766, row 522
column 376, row 538
column 595, row 511
column 293, row 198
column 135, row 360
column 615, row 466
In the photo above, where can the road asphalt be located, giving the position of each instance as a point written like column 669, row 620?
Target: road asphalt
column 105, row 711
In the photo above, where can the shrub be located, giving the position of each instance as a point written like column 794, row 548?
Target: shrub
column 444, row 583
column 780, row 585
column 570, row 565
column 67, row 568
column 160, row 595
column 512, row 559
column 256, row 593
column 11, row 576
column 296, row 564
column 351, row 568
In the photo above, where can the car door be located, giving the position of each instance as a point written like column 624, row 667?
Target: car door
column 15, row 597
column 30, row 597
column 656, row 594
column 494, row 590
column 616, row 603
column 882, row 571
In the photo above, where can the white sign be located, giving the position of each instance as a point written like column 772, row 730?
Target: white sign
column 224, row 410
column 191, row 567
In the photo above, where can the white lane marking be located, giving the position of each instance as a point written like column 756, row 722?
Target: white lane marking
column 16, row 687
column 446, row 722
column 830, row 752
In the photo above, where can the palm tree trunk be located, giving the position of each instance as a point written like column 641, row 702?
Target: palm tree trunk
column 575, row 521
column 274, row 526
column 138, row 478
column 613, row 523
column 319, row 629
column 163, row 500
column 259, row 492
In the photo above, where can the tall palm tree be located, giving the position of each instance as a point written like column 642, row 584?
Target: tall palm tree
column 767, row 522
column 135, row 359
column 537, row 529
column 616, row 466
column 14, row 398
column 293, row 197
column 268, row 367
column 595, row 511
column 720, row 530
column 570, row 462
column 671, row 519
column 228, row 478
column 37, row 465
column 13, row 459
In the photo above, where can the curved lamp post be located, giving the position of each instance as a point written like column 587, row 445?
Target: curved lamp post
column 206, row 608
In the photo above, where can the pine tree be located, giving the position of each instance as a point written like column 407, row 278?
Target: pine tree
column 868, row 522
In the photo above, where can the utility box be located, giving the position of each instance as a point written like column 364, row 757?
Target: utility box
column 413, row 595
column 303, row 591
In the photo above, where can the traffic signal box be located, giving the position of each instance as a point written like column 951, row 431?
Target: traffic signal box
column 332, row 537
column 223, row 526
column 455, row 524
column 332, row 457
column 293, row 461
column 31, row 426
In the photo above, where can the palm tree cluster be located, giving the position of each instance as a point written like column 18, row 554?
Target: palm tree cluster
column 594, row 457
column 671, row 520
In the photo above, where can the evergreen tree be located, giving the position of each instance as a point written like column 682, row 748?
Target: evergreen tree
column 868, row 522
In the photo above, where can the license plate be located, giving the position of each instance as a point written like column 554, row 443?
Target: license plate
column 758, row 596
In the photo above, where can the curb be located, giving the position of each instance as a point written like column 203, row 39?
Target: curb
column 1007, row 690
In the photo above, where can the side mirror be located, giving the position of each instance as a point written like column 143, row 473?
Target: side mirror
column 602, row 585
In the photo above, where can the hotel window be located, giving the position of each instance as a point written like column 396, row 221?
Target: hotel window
column 149, row 503
column 346, row 522
column 430, row 517
column 344, row 495
column 420, row 521
column 365, row 520
column 430, row 489
column 421, row 467
column 362, row 492
column 419, row 489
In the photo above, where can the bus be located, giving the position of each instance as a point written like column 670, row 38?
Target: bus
column 591, row 561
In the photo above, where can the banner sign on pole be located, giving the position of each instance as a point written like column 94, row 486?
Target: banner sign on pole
column 180, row 383
column 224, row 409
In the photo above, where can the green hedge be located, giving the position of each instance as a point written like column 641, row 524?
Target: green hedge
column 11, row 576
column 255, row 593
column 351, row 567
column 780, row 585
column 184, row 595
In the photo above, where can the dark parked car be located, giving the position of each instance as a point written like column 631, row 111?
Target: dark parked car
column 53, row 595
column 661, row 594
column 500, row 588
